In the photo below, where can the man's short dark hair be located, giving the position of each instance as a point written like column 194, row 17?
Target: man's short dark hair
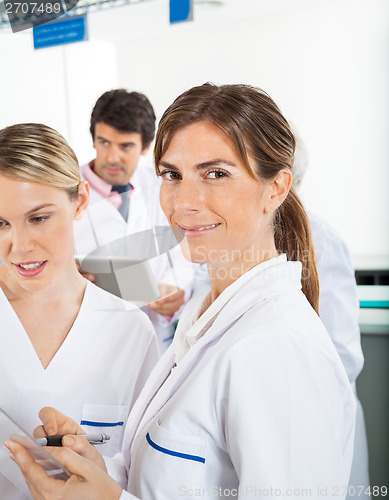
column 125, row 111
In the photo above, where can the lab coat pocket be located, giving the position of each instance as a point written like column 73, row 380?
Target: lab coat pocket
column 110, row 419
column 179, row 458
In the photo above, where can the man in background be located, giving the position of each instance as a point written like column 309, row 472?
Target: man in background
column 124, row 198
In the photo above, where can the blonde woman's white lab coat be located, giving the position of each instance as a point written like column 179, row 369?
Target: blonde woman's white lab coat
column 103, row 224
column 94, row 377
column 261, row 401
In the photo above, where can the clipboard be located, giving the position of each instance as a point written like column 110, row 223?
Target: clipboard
column 9, row 429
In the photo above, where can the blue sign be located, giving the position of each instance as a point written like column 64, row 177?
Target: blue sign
column 69, row 30
column 180, row 10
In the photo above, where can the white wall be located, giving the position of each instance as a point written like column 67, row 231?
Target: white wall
column 32, row 84
column 91, row 69
column 326, row 64
column 56, row 86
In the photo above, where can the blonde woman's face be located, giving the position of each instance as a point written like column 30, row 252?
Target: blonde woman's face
column 36, row 232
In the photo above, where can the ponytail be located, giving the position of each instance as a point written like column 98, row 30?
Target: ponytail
column 292, row 235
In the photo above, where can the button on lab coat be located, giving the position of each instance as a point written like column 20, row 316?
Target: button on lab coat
column 260, row 401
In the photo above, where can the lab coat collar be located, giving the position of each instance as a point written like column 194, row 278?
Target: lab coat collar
column 263, row 281
column 189, row 331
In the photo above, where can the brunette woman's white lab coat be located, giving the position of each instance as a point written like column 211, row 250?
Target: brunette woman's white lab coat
column 339, row 312
column 260, row 402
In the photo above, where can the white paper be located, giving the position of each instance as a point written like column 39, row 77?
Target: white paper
column 9, row 429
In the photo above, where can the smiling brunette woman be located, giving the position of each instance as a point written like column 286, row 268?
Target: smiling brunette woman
column 63, row 340
column 251, row 399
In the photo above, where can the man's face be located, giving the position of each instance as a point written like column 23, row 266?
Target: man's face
column 117, row 154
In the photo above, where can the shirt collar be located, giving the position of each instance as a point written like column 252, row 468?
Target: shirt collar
column 102, row 187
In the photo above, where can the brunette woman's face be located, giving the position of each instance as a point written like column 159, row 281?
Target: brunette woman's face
column 208, row 193
column 36, row 231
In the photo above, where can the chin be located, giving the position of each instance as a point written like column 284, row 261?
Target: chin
column 194, row 253
column 187, row 254
column 33, row 285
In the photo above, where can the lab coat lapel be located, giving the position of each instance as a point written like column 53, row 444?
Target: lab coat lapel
column 261, row 286
column 155, row 395
column 141, row 406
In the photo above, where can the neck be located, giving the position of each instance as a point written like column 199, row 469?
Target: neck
column 67, row 287
column 223, row 274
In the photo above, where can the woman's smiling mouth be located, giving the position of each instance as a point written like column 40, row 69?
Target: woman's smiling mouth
column 198, row 230
column 30, row 269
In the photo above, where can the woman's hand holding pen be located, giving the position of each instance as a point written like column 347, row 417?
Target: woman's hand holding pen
column 89, row 479
column 55, row 423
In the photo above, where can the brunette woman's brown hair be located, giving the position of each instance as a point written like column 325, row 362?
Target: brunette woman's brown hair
column 257, row 130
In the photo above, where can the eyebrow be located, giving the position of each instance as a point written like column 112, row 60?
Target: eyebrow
column 39, row 207
column 200, row 166
column 127, row 143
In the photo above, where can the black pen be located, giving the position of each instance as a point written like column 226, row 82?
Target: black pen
column 57, row 440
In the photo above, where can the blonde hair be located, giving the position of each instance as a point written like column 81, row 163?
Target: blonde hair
column 33, row 152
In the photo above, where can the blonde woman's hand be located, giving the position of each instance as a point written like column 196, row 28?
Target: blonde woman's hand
column 56, row 423
column 87, row 481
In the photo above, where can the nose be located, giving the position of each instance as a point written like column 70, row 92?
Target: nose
column 188, row 197
column 21, row 242
column 113, row 155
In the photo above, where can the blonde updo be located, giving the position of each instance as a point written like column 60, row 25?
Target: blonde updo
column 32, row 152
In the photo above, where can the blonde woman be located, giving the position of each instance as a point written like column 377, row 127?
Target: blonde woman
column 64, row 341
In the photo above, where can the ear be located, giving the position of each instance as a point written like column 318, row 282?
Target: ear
column 279, row 189
column 145, row 150
column 82, row 200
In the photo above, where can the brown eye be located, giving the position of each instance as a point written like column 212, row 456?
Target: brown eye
column 217, row 174
column 170, row 175
column 39, row 220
